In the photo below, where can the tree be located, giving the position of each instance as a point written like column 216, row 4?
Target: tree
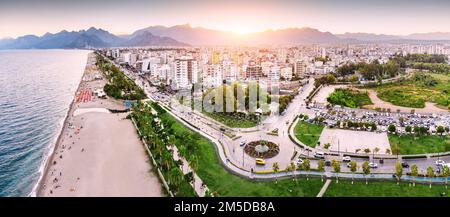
column 337, row 169
column 376, row 150
column 275, row 168
column 366, row 170
column 293, row 167
column 175, row 177
column 388, row 151
column 445, row 174
column 414, row 173
column 440, row 130
column 408, row 129
column 416, row 130
column 391, row 128
column 193, row 162
column 306, row 167
column 353, row 168
column 430, row 174
column 321, row 168
column 398, row 171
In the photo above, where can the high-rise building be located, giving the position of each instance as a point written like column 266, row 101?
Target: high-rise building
column 253, row 72
column 185, row 72
column 300, row 68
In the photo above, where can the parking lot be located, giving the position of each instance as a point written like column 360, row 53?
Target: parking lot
column 351, row 141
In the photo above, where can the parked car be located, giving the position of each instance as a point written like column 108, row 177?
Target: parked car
column 260, row 161
column 299, row 161
column 328, row 163
column 346, row 159
column 405, row 165
column 242, row 144
column 440, row 163
column 320, row 155
column 373, row 165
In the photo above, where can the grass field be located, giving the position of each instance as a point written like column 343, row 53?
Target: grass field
column 414, row 93
column 234, row 121
column 225, row 184
column 409, row 144
column 308, row 133
column 349, row 98
column 383, row 189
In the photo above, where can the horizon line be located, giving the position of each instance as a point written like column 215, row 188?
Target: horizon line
column 222, row 30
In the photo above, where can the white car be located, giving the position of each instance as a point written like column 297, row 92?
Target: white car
column 373, row 165
column 319, row 154
column 242, row 144
column 347, row 159
column 299, row 161
column 440, row 163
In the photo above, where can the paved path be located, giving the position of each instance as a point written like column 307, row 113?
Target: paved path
column 233, row 157
column 324, row 188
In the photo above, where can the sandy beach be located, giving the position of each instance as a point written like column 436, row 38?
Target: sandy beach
column 98, row 152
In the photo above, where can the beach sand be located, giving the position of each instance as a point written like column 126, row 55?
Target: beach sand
column 98, row 153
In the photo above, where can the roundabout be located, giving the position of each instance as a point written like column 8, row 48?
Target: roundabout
column 262, row 149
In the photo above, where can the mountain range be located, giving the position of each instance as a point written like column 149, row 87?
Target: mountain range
column 185, row 35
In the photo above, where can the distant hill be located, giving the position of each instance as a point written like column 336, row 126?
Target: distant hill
column 202, row 36
column 91, row 38
column 148, row 39
column 437, row 36
column 367, row 37
column 186, row 35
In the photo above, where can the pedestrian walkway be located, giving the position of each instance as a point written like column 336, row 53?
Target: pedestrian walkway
column 324, row 188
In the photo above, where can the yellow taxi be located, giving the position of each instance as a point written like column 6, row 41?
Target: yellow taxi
column 260, row 161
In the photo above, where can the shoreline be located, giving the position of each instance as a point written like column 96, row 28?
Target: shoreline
column 49, row 154
column 97, row 152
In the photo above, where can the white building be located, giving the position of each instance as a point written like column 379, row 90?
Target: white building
column 185, row 72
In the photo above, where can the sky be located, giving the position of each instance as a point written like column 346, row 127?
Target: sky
column 400, row 17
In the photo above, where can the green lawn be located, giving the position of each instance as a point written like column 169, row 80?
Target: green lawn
column 233, row 120
column 408, row 144
column 349, row 98
column 308, row 133
column 383, row 189
column 225, row 184
column 423, row 87
column 186, row 190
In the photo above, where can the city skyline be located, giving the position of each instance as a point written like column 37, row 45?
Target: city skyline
column 398, row 18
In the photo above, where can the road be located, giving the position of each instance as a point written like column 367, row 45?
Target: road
column 236, row 159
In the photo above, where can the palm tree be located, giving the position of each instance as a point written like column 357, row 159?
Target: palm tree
column 353, row 168
column 430, row 174
column 193, row 162
column 388, row 151
column 445, row 174
column 293, row 167
column 337, row 169
column 167, row 159
column 414, row 173
column 275, row 168
column 398, row 171
column 321, row 168
column 307, row 167
column 175, row 176
column 366, row 170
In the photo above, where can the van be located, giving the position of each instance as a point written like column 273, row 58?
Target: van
column 260, row 161
column 319, row 154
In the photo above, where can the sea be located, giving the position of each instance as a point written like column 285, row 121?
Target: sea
column 36, row 89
